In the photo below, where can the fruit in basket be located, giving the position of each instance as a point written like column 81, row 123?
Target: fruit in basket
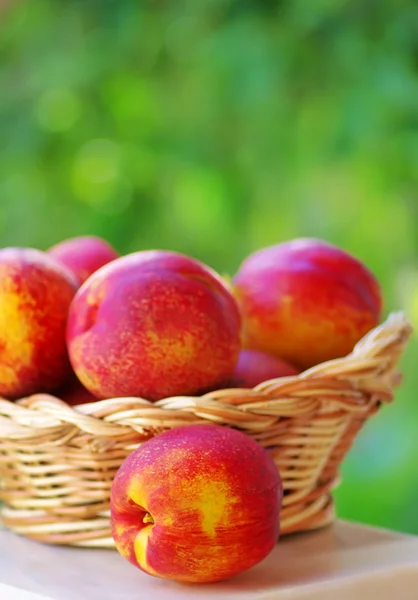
column 254, row 367
column 306, row 301
column 83, row 255
column 35, row 295
column 75, row 393
column 197, row 503
column 153, row 324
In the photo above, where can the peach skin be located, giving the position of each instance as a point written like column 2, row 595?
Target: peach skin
column 35, row 296
column 83, row 255
column 153, row 324
column 306, row 301
column 197, row 503
column 255, row 367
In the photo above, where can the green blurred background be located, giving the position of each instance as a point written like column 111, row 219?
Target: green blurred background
column 214, row 128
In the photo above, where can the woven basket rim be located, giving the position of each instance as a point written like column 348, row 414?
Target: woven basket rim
column 371, row 367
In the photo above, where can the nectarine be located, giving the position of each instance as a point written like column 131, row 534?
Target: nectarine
column 197, row 503
column 153, row 324
column 254, row 367
column 83, row 255
column 306, row 301
column 35, row 296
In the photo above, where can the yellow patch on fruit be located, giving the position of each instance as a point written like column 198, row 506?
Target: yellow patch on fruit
column 140, row 549
column 123, row 542
column 163, row 348
column 213, row 500
column 97, row 291
column 8, row 376
column 15, row 331
column 120, row 529
column 135, row 493
column 89, row 379
column 167, row 520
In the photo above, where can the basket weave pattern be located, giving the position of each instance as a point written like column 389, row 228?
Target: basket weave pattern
column 57, row 462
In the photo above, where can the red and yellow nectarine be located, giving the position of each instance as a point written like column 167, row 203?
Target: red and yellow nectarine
column 254, row 367
column 306, row 301
column 35, row 296
column 83, row 255
column 197, row 503
column 153, row 324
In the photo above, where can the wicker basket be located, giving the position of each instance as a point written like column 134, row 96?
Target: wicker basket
column 57, row 462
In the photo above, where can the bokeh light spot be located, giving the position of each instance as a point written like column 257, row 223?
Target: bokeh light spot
column 58, row 109
column 97, row 171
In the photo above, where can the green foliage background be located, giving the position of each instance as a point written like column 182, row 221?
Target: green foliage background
column 214, row 128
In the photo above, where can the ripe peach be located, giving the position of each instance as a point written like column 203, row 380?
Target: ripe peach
column 254, row 367
column 35, row 295
column 197, row 503
column 83, row 255
column 306, row 301
column 153, row 324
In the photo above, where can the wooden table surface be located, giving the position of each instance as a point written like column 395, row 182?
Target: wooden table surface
column 342, row 562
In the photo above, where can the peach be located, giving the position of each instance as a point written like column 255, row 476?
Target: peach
column 35, row 296
column 197, row 503
column 153, row 324
column 306, row 301
column 83, row 255
column 254, row 367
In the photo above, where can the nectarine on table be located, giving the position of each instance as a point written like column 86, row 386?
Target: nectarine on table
column 35, row 296
column 153, row 324
column 306, row 301
column 83, row 255
column 197, row 503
